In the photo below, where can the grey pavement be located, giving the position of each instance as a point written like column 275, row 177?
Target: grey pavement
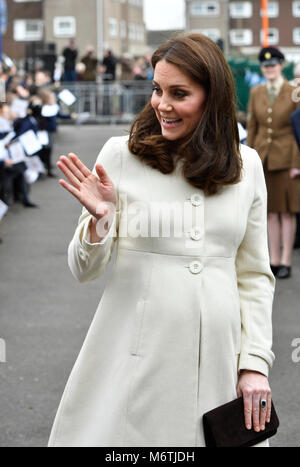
column 45, row 313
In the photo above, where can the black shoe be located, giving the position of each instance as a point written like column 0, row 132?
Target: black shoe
column 274, row 269
column 29, row 204
column 284, row 272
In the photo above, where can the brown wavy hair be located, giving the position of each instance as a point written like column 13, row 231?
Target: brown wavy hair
column 211, row 153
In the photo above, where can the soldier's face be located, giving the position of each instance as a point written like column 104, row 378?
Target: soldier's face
column 272, row 73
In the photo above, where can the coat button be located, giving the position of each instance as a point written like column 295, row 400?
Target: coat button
column 196, row 233
column 196, row 200
column 269, row 140
column 270, row 120
column 270, row 130
column 83, row 255
column 270, row 110
column 195, row 267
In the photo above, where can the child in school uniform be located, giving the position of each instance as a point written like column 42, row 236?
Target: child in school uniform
column 50, row 112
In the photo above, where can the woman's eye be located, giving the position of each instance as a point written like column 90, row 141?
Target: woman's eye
column 180, row 94
column 156, row 89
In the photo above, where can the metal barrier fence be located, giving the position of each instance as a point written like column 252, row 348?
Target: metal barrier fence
column 116, row 102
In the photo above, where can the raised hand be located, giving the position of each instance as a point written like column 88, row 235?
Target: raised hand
column 95, row 192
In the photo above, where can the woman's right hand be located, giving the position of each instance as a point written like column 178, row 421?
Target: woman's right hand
column 95, row 192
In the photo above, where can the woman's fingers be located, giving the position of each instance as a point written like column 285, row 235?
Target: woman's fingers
column 256, row 411
column 269, row 407
column 72, row 167
column 69, row 188
column 263, row 411
column 248, row 410
column 67, row 172
column 104, row 178
column 83, row 169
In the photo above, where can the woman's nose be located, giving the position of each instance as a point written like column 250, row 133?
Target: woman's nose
column 164, row 105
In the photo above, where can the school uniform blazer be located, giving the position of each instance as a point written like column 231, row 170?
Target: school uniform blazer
column 270, row 130
column 180, row 315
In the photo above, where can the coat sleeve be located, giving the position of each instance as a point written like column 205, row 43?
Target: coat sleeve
column 296, row 147
column 87, row 261
column 252, row 124
column 256, row 283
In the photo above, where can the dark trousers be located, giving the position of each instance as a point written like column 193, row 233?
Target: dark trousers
column 45, row 154
column 70, row 75
column 13, row 184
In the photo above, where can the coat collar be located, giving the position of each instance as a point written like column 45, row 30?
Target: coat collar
column 285, row 89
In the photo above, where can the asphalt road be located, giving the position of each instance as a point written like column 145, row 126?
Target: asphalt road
column 45, row 313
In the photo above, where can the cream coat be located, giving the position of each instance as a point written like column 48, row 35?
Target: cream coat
column 180, row 315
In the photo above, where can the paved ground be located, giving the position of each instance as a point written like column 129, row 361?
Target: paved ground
column 45, row 313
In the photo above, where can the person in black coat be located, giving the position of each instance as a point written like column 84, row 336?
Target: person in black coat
column 70, row 54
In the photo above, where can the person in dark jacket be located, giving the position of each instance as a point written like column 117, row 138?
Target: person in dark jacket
column 70, row 54
column 109, row 63
column 296, row 128
column 91, row 63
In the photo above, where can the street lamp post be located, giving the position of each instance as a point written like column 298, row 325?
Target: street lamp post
column 265, row 22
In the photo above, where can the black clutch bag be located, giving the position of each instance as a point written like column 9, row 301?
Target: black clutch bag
column 224, row 427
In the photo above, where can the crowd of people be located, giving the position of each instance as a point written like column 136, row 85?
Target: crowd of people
column 71, row 67
column 28, row 123
column 29, row 109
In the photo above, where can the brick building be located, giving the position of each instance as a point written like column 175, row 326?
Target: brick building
column 239, row 24
column 24, row 24
column 114, row 24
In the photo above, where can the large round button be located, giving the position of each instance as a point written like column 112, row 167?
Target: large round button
column 195, row 267
column 270, row 120
column 196, row 233
column 269, row 140
column 270, row 110
column 196, row 200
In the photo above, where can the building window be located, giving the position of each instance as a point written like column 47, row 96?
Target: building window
column 131, row 31
column 205, row 9
column 140, row 35
column 273, row 10
column 28, row 30
column 213, row 34
column 296, row 9
column 113, row 27
column 296, row 36
column 138, row 3
column 64, row 26
column 123, row 29
column 273, row 37
column 239, row 37
column 241, row 9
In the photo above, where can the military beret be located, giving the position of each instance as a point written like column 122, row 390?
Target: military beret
column 270, row 56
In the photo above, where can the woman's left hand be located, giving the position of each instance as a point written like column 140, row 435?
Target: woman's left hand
column 254, row 387
column 294, row 173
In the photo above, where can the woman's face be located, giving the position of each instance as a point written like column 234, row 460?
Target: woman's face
column 272, row 73
column 178, row 101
